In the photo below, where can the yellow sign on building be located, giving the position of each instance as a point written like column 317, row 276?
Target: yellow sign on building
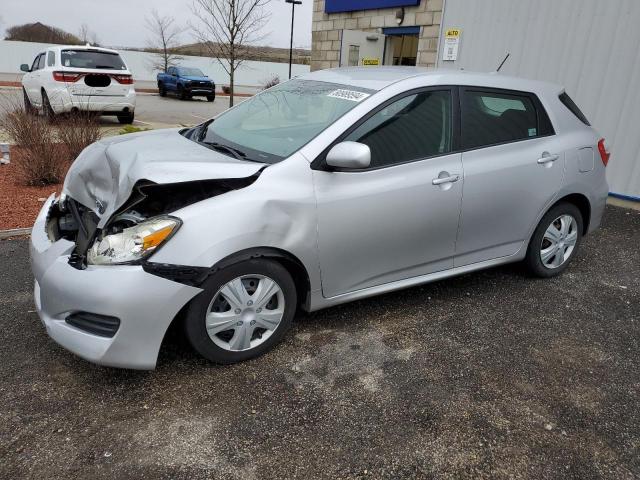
column 370, row 61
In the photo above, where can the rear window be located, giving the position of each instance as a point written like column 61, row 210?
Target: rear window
column 571, row 105
column 92, row 59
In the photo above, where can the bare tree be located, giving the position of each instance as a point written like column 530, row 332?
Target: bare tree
column 226, row 28
column 86, row 35
column 165, row 38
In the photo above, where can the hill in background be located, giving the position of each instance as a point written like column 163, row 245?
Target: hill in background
column 41, row 33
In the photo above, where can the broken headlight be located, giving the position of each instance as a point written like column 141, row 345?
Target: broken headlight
column 133, row 243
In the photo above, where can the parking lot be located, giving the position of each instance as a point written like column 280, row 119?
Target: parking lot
column 151, row 109
column 489, row 375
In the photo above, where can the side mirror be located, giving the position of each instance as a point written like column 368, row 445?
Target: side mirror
column 25, row 68
column 350, row 155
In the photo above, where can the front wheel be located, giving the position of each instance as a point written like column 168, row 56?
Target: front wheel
column 28, row 106
column 211, row 98
column 46, row 106
column 555, row 241
column 244, row 311
column 182, row 94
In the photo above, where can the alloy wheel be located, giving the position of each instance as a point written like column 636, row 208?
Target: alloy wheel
column 245, row 312
column 559, row 241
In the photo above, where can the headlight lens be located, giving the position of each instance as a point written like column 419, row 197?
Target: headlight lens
column 134, row 243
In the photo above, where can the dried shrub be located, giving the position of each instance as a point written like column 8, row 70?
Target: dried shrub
column 40, row 161
column 77, row 131
column 226, row 89
column 271, row 82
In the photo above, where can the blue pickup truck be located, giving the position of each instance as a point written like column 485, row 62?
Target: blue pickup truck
column 186, row 82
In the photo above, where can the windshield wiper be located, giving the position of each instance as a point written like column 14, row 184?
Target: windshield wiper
column 234, row 152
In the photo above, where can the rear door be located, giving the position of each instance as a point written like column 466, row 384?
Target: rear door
column 513, row 168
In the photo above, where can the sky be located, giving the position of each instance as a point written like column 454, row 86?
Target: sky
column 120, row 23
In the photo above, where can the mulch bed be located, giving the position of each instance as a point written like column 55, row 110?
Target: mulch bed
column 19, row 205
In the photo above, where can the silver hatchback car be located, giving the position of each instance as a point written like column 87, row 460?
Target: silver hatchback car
column 331, row 187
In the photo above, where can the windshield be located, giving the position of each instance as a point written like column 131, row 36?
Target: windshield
column 191, row 72
column 92, row 59
column 277, row 122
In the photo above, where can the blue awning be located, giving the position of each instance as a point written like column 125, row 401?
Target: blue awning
column 402, row 30
column 335, row 6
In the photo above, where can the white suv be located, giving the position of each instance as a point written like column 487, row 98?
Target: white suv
column 69, row 78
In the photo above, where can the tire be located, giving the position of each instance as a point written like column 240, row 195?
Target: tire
column 557, row 246
column 161, row 90
column 126, row 119
column 182, row 94
column 28, row 106
column 211, row 98
column 46, row 106
column 230, row 346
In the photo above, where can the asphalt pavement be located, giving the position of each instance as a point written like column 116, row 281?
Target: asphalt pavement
column 489, row 375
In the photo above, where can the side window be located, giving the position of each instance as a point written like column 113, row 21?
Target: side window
column 414, row 127
column 35, row 66
column 41, row 62
column 490, row 118
column 51, row 58
column 171, row 71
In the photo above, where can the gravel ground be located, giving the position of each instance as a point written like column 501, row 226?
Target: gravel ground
column 489, row 375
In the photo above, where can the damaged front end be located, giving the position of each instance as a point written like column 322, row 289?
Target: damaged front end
column 138, row 228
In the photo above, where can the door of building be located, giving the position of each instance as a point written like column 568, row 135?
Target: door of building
column 361, row 48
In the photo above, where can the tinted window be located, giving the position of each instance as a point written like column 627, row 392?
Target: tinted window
column 490, row 118
column 570, row 104
column 41, row 62
column 51, row 59
column 92, row 59
column 414, row 127
column 171, row 71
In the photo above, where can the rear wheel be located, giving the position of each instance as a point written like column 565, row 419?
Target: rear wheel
column 244, row 311
column 46, row 106
column 555, row 241
column 126, row 118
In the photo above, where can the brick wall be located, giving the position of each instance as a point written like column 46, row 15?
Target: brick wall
column 327, row 30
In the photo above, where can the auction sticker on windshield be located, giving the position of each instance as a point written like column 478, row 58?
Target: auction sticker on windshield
column 351, row 95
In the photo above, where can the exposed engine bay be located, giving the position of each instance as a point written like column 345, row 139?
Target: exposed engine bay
column 75, row 222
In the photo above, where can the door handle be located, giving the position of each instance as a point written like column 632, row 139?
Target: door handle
column 546, row 158
column 450, row 179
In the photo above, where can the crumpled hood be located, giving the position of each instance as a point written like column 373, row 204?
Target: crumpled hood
column 104, row 174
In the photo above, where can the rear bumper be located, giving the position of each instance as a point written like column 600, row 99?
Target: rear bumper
column 145, row 304
column 63, row 101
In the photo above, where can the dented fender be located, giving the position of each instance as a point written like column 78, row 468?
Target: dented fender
column 278, row 210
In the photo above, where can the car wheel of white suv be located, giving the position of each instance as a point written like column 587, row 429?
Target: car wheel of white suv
column 244, row 311
column 46, row 106
column 555, row 241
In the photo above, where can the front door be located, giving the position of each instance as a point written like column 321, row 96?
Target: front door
column 399, row 218
column 513, row 169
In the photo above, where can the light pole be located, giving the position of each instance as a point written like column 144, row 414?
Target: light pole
column 293, row 11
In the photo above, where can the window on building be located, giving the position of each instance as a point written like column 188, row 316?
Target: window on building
column 354, row 55
column 490, row 118
column 412, row 128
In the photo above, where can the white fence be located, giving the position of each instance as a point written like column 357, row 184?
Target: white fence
column 249, row 76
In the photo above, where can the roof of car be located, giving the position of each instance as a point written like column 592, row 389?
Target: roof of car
column 377, row 78
column 82, row 47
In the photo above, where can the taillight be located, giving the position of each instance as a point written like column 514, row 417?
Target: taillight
column 123, row 79
column 69, row 77
column 604, row 153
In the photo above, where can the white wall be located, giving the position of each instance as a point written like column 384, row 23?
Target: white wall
column 589, row 46
column 250, row 74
